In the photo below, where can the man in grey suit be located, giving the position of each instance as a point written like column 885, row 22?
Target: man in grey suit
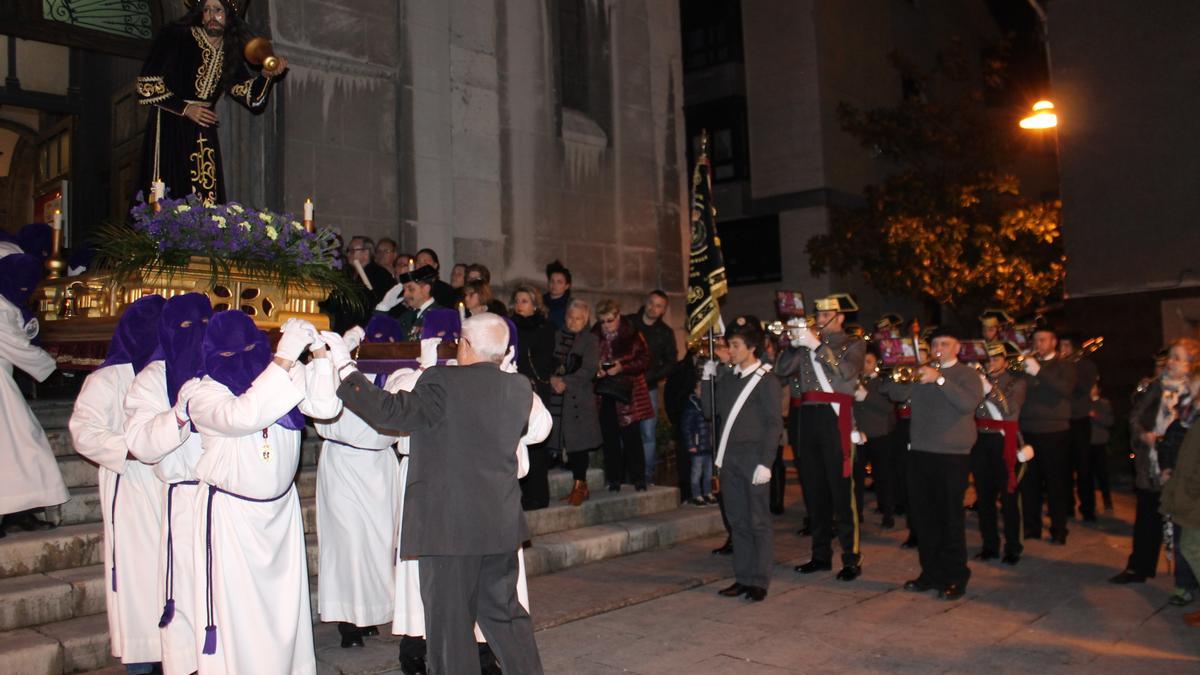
column 462, row 510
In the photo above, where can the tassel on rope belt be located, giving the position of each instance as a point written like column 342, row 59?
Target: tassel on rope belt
column 113, row 522
column 1011, row 431
column 210, row 628
column 169, row 606
column 845, row 421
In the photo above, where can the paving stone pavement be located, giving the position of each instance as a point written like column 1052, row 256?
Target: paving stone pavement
column 658, row 612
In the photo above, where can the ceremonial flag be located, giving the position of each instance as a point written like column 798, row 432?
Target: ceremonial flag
column 706, row 265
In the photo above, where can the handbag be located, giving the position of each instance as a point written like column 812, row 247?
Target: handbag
column 617, row 387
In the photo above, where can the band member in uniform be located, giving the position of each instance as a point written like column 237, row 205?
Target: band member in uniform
column 192, row 64
column 875, row 416
column 829, row 362
column 997, row 454
column 993, row 323
column 1086, row 376
column 747, row 400
column 1045, row 424
column 943, row 399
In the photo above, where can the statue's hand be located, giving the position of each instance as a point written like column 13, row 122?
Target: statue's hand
column 201, row 113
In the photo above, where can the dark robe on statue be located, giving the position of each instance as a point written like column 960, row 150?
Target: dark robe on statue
column 184, row 68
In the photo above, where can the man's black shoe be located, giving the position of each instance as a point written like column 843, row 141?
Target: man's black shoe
column 412, row 665
column 814, row 566
column 986, row 555
column 888, row 522
column 724, row 549
column 849, row 573
column 1059, row 540
column 951, row 592
column 756, row 593
column 1011, row 558
column 917, row 585
column 733, row 590
column 351, row 635
column 1128, row 577
column 1033, row 535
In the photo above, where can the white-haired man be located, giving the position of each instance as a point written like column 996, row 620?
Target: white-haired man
column 462, row 504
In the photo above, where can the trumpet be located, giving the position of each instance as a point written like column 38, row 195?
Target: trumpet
column 1016, row 364
column 911, row 374
column 1086, row 348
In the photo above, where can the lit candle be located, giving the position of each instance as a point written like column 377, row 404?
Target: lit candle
column 462, row 312
column 308, row 209
column 57, row 224
column 159, row 189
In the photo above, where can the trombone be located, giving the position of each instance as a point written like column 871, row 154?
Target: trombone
column 1088, row 347
column 909, row 374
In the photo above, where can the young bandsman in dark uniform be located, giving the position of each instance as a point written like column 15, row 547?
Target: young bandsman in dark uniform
column 875, row 416
column 1045, row 424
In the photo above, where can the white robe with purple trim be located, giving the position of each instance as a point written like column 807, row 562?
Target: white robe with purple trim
column 154, row 436
column 131, row 539
column 259, row 576
column 29, row 475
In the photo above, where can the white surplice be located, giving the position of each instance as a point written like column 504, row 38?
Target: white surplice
column 155, row 437
column 259, row 576
column 29, row 475
column 358, row 502
column 409, row 617
column 131, row 505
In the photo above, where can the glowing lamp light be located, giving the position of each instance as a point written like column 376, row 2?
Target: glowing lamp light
column 1043, row 117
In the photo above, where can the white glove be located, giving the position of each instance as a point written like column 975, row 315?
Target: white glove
column 1025, row 453
column 314, row 335
column 184, row 397
column 857, row 437
column 1032, row 366
column 391, row 298
column 354, row 337
column 294, row 340
column 987, row 386
column 338, row 353
column 709, row 370
column 508, row 364
column 762, row 475
column 807, row 339
column 429, row 349
column 860, row 394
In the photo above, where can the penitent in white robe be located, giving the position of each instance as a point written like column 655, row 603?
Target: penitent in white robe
column 409, row 617
column 259, row 574
column 131, row 506
column 358, row 503
column 154, row 436
column 29, row 475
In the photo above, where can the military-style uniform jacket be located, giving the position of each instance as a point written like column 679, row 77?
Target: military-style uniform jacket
column 840, row 357
column 1007, row 396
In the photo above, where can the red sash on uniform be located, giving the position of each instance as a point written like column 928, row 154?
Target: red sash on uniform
column 845, row 421
column 1010, row 431
column 904, row 411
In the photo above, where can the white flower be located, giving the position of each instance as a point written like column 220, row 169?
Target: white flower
column 236, row 208
column 298, row 225
column 272, row 234
column 245, row 226
column 220, row 221
column 266, row 217
column 182, row 208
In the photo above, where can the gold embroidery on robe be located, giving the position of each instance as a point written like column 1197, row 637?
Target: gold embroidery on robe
column 204, row 171
column 151, row 89
column 211, row 63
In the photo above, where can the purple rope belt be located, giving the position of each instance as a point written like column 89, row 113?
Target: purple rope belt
column 355, row 447
column 113, row 520
column 169, row 606
column 210, row 628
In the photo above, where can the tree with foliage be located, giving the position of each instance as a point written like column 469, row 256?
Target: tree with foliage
column 949, row 225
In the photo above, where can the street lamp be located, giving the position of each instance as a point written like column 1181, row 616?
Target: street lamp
column 1043, row 117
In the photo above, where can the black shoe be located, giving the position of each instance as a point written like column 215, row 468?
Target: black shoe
column 911, row 542
column 733, row 590
column 814, row 566
column 1128, row 577
column 1059, row 541
column 412, row 665
column 1011, row 558
column 986, row 555
column 351, row 635
column 917, row 585
column 756, row 593
column 724, row 549
column 488, row 664
column 614, row 487
column 849, row 573
column 805, row 531
column 888, row 522
column 951, row 592
column 370, row 631
column 1033, row 535
column 1089, row 518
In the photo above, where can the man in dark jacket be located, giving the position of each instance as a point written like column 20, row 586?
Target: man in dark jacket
column 660, row 338
column 875, row 417
column 1086, row 375
column 1045, row 424
column 462, row 506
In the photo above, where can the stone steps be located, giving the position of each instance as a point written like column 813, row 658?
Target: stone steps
column 54, row 622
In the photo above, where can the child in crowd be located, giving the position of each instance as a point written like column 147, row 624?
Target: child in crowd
column 698, row 437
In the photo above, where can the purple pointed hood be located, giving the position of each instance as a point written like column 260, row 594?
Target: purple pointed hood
column 136, row 337
column 236, row 352
column 36, row 239
column 181, row 339
column 19, row 276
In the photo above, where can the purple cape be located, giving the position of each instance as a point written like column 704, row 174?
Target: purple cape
column 19, row 276
column 236, row 352
column 383, row 328
column 35, row 239
column 136, row 337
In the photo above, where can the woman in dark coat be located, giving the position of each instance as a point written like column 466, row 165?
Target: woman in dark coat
column 623, row 354
column 576, row 430
column 535, row 360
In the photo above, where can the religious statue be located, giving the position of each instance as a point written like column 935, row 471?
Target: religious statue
column 192, row 63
